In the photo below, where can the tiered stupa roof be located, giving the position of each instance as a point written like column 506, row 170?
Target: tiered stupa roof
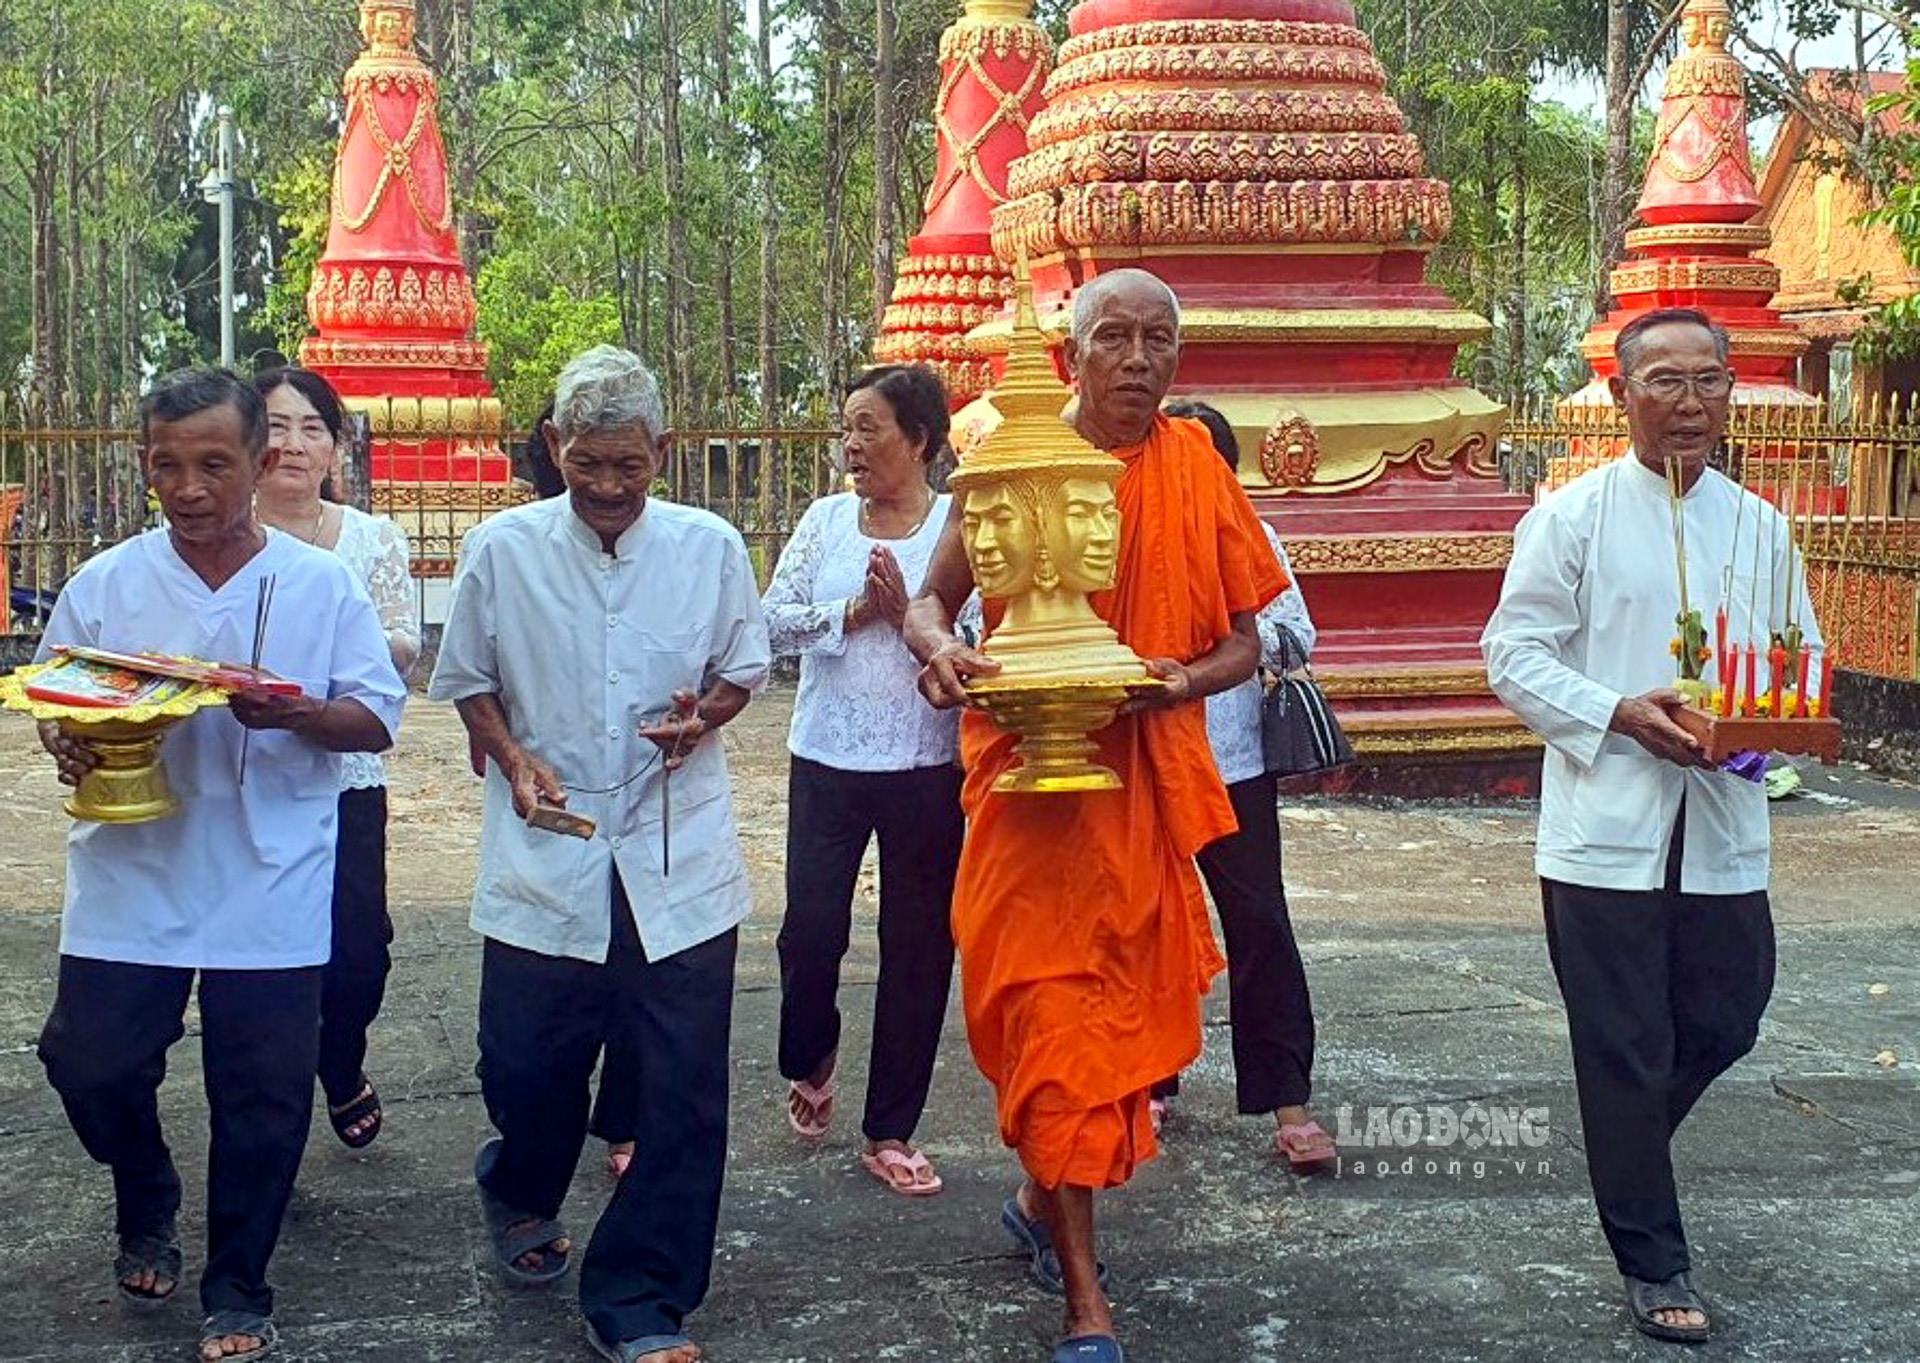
column 993, row 62
column 390, row 299
column 1698, row 246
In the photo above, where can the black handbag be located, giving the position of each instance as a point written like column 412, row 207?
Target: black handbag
column 1298, row 733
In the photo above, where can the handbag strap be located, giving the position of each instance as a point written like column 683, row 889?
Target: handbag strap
column 1293, row 654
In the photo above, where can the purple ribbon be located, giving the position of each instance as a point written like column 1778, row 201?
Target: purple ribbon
column 1748, row 765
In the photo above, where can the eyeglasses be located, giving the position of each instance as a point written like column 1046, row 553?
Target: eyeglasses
column 1711, row 386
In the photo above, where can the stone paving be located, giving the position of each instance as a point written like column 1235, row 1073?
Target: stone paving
column 1800, row 1172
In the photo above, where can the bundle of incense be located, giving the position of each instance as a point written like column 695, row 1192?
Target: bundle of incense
column 263, row 607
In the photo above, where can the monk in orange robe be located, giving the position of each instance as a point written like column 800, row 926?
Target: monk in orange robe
column 1085, row 947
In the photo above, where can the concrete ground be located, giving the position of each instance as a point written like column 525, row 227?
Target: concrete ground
column 1800, row 1172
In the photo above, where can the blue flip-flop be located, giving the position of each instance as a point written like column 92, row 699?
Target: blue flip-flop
column 515, row 1234
column 1030, row 1233
column 630, row 1350
column 1088, row 1349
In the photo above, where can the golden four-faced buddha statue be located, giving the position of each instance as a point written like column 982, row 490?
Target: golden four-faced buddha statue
column 1041, row 525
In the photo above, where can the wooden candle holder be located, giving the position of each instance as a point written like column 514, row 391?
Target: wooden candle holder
column 1721, row 736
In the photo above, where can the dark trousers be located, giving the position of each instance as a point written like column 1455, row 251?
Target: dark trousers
column 355, row 982
column 1269, row 1007
column 1663, row 992
column 830, row 816
column 105, row 1048
column 543, row 1023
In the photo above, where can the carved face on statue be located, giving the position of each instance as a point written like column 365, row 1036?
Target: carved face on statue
column 1085, row 529
column 1002, row 540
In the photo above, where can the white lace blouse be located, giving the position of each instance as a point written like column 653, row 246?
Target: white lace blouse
column 858, row 708
column 376, row 549
column 1233, row 716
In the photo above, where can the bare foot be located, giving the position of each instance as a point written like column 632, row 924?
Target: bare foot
column 146, row 1282
column 541, row 1259
column 225, row 1346
column 367, row 1125
column 1680, row 1317
column 682, row 1353
column 619, row 1156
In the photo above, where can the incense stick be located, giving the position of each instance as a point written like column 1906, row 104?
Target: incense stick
column 263, row 607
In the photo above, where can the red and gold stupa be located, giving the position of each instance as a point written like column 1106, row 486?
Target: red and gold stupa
column 993, row 64
column 390, row 301
column 1247, row 152
column 1697, row 245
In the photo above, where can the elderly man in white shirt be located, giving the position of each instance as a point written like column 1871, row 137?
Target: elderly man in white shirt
column 594, row 644
column 236, row 886
column 1653, row 864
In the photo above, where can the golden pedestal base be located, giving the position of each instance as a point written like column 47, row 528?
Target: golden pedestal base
column 130, row 784
column 1054, row 718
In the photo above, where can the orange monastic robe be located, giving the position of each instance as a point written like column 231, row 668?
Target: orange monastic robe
column 1085, row 946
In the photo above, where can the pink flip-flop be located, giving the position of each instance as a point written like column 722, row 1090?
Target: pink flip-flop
column 921, row 1180
column 819, row 1106
column 1297, row 1141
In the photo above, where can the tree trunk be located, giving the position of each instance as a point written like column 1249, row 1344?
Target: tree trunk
column 769, row 224
column 679, row 329
column 886, row 178
column 76, row 267
column 723, row 273
column 1517, row 294
column 833, row 199
column 1621, row 98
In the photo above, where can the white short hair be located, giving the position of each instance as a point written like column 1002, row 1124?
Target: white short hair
column 606, row 388
column 1086, row 302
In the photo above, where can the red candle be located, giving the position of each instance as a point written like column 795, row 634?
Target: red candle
column 1725, row 673
column 1800, row 702
column 1826, row 681
column 1746, row 698
column 1777, row 669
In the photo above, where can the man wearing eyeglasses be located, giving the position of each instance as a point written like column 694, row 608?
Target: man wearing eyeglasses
column 1653, row 863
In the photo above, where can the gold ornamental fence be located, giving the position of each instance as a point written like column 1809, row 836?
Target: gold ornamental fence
column 71, row 487
column 1850, row 488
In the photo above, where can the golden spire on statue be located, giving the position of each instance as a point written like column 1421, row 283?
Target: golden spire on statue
column 1042, row 531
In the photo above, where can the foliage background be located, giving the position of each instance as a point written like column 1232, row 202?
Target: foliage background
column 723, row 184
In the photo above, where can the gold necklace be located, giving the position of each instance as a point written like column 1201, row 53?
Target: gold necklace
column 866, row 517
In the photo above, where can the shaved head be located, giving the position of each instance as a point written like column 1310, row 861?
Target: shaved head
column 1132, row 285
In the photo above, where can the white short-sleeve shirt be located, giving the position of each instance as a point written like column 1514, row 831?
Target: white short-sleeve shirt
column 242, row 877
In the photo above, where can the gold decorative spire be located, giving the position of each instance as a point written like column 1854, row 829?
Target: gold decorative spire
column 1031, row 438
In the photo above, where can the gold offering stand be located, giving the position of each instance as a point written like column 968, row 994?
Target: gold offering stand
column 1042, row 530
column 130, row 784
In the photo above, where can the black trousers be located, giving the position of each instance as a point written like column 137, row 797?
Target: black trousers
column 1664, row 991
column 355, row 982
column 1269, row 1006
column 105, row 1048
column 830, row 816
column 543, row 1023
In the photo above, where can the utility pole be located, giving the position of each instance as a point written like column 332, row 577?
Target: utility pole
column 218, row 188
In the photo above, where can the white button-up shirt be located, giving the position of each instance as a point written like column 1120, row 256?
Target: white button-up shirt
column 1586, row 616
column 582, row 647
column 242, row 877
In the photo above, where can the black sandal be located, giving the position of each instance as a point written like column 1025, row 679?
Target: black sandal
column 344, row 1119
column 1675, row 1294
column 157, row 1254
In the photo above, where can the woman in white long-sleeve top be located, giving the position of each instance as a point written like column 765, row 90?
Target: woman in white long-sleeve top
column 1272, row 1012
column 869, row 759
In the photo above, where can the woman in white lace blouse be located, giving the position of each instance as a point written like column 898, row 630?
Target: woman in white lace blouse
column 870, row 758
column 1271, row 1011
column 303, row 428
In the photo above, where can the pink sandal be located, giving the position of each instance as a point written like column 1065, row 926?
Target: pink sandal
column 1301, row 1143
column 885, row 1162
column 819, row 1107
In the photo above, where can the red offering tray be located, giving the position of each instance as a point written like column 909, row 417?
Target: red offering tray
column 1724, row 735
column 224, row 676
